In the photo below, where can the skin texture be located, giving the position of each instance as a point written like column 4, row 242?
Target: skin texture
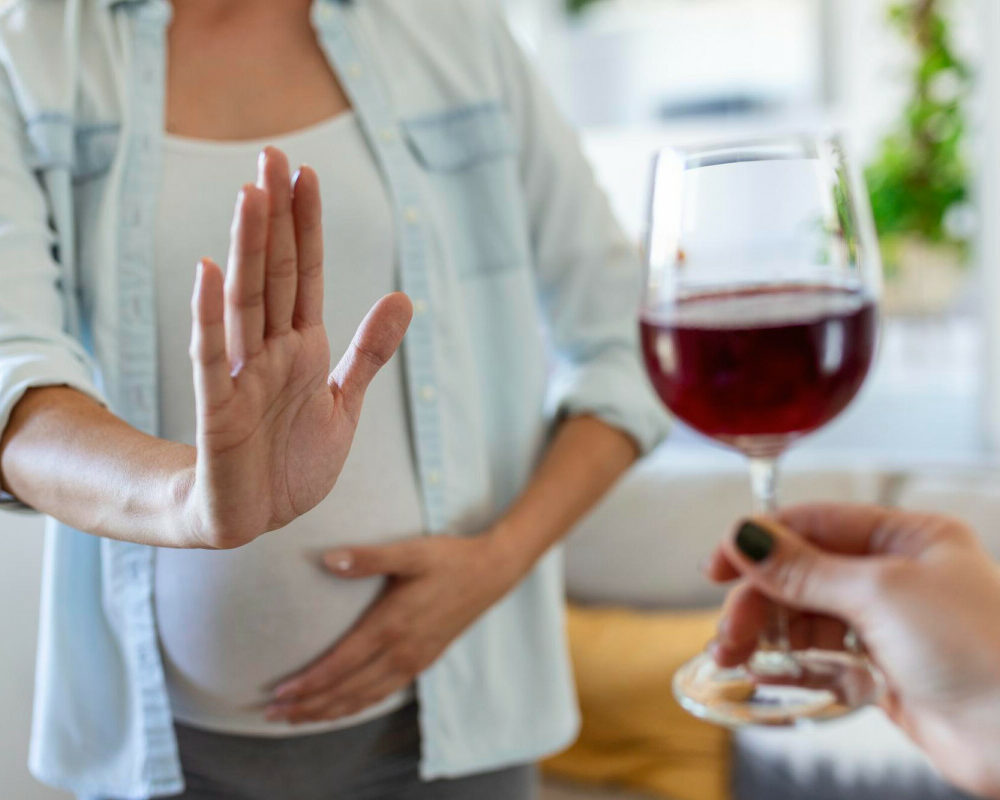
column 923, row 596
column 246, row 69
column 274, row 428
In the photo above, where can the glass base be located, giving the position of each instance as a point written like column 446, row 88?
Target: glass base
column 776, row 688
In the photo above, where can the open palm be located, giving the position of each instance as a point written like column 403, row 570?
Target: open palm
column 274, row 426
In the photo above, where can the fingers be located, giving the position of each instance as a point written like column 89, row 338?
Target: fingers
column 244, row 287
column 213, row 385
column 307, row 214
column 838, row 527
column 743, row 620
column 875, row 530
column 281, row 277
column 747, row 615
column 401, row 558
column 788, row 569
column 372, row 683
column 357, row 649
column 377, row 338
column 718, row 569
column 834, row 527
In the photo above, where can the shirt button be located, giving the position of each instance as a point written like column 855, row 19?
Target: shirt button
column 419, row 306
column 427, row 393
column 354, row 70
column 388, row 135
column 434, row 477
column 411, row 214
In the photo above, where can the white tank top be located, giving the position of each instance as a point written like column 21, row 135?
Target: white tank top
column 233, row 623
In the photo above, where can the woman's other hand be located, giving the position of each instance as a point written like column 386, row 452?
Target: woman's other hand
column 274, row 425
column 919, row 590
column 436, row 587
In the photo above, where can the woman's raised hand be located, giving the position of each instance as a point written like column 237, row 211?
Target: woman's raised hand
column 919, row 590
column 274, row 425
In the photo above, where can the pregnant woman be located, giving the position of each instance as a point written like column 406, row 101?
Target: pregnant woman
column 253, row 588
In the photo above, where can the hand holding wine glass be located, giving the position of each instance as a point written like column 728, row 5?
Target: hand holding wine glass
column 758, row 326
column 918, row 588
column 274, row 425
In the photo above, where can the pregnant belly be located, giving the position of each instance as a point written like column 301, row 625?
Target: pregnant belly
column 233, row 623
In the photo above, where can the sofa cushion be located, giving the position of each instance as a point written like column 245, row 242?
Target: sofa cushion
column 642, row 545
column 634, row 735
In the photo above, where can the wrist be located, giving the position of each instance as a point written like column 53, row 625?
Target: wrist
column 510, row 554
column 974, row 736
column 181, row 519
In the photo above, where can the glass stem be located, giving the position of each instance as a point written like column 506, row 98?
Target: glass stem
column 763, row 484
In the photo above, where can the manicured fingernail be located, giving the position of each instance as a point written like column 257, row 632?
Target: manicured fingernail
column 754, row 541
column 338, row 560
column 274, row 713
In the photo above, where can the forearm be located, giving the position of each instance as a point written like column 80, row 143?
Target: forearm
column 67, row 456
column 584, row 459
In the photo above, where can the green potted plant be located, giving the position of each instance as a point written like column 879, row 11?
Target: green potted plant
column 919, row 182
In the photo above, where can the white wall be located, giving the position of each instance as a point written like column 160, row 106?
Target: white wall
column 989, row 197
column 20, row 567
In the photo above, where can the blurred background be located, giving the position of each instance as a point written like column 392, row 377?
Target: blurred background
column 915, row 85
column 905, row 80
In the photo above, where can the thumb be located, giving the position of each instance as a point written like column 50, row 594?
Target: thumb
column 377, row 338
column 400, row 558
column 790, row 570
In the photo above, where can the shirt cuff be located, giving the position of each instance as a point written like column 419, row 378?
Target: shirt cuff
column 614, row 389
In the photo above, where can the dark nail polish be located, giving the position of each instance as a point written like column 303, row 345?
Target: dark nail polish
column 754, row 541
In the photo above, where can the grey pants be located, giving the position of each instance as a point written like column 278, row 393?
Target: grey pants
column 376, row 760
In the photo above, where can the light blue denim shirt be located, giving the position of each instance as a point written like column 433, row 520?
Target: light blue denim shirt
column 524, row 290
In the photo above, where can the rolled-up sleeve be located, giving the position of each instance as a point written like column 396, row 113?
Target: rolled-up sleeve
column 35, row 349
column 589, row 274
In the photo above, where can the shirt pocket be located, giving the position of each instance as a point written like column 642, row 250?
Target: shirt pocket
column 85, row 149
column 470, row 157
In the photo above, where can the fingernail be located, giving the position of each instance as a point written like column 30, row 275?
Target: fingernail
column 274, row 713
column 285, row 691
column 261, row 158
column 754, row 541
column 338, row 560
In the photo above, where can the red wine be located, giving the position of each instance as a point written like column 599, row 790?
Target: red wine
column 760, row 362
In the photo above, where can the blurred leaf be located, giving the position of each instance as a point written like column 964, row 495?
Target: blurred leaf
column 920, row 171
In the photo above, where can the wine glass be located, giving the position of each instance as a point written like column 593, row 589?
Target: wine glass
column 758, row 324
